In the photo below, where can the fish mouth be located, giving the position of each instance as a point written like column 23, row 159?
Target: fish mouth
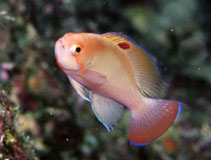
column 68, row 69
column 71, row 71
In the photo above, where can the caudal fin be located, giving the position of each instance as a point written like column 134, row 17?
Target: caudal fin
column 152, row 119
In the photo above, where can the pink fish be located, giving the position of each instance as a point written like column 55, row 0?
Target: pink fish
column 110, row 71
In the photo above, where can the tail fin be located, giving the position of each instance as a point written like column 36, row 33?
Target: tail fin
column 152, row 119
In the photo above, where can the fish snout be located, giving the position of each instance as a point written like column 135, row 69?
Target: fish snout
column 59, row 46
column 64, row 56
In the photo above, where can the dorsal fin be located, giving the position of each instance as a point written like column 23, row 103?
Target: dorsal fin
column 145, row 69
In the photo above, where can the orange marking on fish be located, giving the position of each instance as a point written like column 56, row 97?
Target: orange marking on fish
column 80, row 65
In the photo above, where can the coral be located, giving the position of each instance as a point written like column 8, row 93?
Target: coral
column 12, row 145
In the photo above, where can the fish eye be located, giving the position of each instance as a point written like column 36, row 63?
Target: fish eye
column 75, row 50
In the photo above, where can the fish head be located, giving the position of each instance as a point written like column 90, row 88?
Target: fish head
column 67, row 49
column 79, row 51
column 75, row 51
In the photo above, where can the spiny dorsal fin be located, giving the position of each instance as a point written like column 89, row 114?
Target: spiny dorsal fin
column 146, row 72
column 107, row 111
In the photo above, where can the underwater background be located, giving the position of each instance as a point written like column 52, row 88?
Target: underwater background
column 42, row 117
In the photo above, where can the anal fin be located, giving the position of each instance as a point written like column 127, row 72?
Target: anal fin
column 107, row 111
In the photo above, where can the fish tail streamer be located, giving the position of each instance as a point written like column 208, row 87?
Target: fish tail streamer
column 152, row 119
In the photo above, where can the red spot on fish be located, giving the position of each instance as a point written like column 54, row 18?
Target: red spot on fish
column 124, row 45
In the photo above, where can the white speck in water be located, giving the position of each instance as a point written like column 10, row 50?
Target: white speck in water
column 44, row 65
column 199, row 68
column 51, row 113
column 172, row 30
column 3, row 91
column 67, row 139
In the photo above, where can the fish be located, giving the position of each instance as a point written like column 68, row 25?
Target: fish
column 112, row 72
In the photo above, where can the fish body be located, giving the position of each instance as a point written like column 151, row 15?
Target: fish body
column 111, row 71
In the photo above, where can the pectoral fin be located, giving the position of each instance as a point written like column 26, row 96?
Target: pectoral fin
column 107, row 111
column 93, row 77
column 81, row 90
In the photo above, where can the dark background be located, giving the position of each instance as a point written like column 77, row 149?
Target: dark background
column 58, row 123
